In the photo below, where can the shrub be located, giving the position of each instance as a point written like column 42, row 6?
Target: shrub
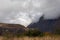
column 34, row 33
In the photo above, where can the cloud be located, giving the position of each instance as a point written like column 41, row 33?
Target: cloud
column 25, row 12
column 51, row 9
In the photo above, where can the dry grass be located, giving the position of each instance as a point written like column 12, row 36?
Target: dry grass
column 32, row 38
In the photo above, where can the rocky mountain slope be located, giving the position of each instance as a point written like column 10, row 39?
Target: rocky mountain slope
column 13, row 28
column 46, row 25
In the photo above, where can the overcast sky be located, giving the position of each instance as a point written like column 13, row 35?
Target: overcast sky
column 26, row 12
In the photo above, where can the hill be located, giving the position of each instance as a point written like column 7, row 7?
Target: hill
column 13, row 28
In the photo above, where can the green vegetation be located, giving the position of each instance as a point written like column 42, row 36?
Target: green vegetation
column 30, row 33
column 57, row 32
column 33, row 33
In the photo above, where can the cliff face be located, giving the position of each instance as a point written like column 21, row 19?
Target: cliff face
column 46, row 25
column 57, row 25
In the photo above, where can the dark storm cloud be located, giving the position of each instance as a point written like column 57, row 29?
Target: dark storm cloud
column 26, row 12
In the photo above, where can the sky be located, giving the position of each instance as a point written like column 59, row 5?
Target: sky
column 25, row 12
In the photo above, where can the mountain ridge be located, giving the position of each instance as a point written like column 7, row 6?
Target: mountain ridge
column 44, row 25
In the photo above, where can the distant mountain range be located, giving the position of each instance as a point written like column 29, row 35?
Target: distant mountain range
column 49, row 25
column 43, row 25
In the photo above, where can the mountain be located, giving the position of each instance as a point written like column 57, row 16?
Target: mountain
column 49, row 25
column 13, row 28
column 11, row 25
column 43, row 25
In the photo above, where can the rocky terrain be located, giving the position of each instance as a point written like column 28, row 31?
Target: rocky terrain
column 49, row 25
column 13, row 28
